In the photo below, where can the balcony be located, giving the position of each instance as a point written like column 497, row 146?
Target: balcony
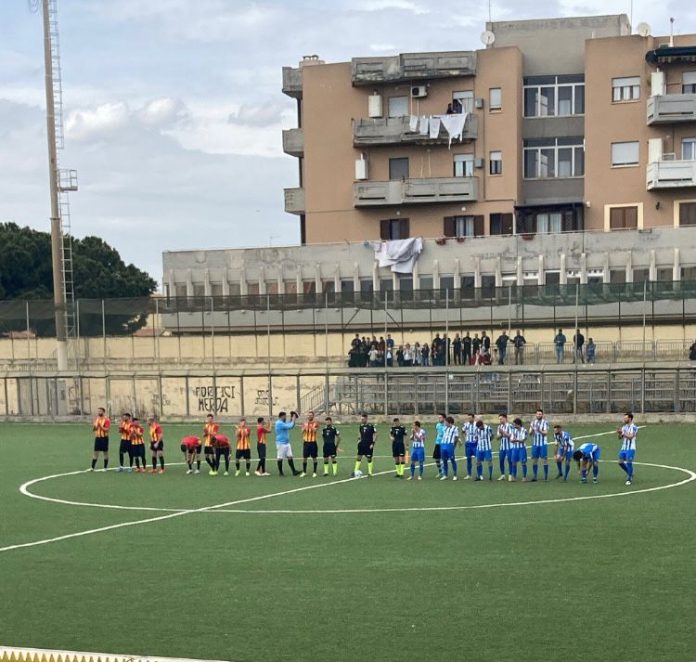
column 396, row 131
column 668, row 174
column 293, row 142
column 415, row 191
column 413, row 67
column 294, row 200
column 292, row 82
column 671, row 109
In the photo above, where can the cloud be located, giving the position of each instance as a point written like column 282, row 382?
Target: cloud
column 385, row 5
column 96, row 123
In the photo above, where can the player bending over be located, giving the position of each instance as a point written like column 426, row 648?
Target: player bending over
column 366, row 446
column 221, row 444
column 332, row 438
column 587, row 456
column 397, row 434
column 484, row 449
column 191, row 448
column 125, row 445
column 627, row 453
column 417, row 450
column 101, row 427
column 564, row 451
column 448, row 447
column 243, row 450
column 539, row 429
column 156, row 445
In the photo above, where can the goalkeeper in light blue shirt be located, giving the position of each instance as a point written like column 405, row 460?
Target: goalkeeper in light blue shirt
column 282, row 439
column 440, row 428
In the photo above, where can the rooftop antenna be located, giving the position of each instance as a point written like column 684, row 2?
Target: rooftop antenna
column 671, row 32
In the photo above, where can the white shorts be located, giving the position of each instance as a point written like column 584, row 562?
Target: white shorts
column 283, row 451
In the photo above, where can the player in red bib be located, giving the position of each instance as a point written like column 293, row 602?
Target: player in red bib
column 221, row 444
column 191, row 447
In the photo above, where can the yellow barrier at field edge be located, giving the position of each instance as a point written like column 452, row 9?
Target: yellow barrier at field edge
column 9, row 654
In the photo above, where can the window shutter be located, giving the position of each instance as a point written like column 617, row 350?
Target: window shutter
column 631, row 217
column 478, row 226
column 405, row 227
column 506, row 224
column 384, row 230
column 450, row 226
column 616, row 218
column 568, row 221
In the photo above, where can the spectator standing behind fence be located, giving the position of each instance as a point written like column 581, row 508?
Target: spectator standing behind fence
column 408, row 356
column 485, row 342
column 466, row 349
column 425, row 355
column 559, row 342
column 518, row 343
column 475, row 348
column 417, row 355
column 501, row 343
column 590, row 350
column 579, row 342
column 692, row 351
column 457, row 350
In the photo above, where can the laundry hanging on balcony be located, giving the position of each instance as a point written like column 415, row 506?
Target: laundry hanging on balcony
column 423, row 125
column 429, row 125
column 413, row 123
column 435, row 127
column 400, row 254
column 454, row 125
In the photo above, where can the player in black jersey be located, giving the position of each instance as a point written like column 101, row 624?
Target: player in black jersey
column 398, row 438
column 331, row 437
column 366, row 445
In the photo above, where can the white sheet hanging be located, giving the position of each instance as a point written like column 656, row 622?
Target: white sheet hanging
column 423, row 125
column 454, row 125
column 435, row 122
column 413, row 123
column 400, row 254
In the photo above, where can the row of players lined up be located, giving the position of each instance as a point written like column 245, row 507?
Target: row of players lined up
column 477, row 435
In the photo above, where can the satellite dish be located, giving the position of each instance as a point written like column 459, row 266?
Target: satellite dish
column 643, row 29
column 487, row 38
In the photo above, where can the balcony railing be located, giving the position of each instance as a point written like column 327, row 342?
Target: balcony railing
column 396, row 131
column 672, row 109
column 671, row 174
column 415, row 191
column 292, row 82
column 413, row 67
column 295, row 200
column 293, row 142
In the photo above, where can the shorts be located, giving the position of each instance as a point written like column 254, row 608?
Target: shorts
column 209, row 450
column 261, row 451
column 101, row 444
column 626, row 456
column 310, row 449
column 470, row 449
column 125, row 446
column 138, row 450
column 191, row 450
column 436, row 452
column 566, row 454
column 505, row 454
column 398, row 449
column 418, row 454
column 446, row 451
column 240, row 453
column 482, row 456
column 540, row 452
column 157, row 446
column 329, row 450
column 283, row 451
column 518, row 454
column 365, row 449
column 222, row 451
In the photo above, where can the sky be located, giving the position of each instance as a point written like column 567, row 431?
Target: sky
column 173, row 109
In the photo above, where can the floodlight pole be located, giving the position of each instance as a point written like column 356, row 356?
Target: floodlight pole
column 56, row 233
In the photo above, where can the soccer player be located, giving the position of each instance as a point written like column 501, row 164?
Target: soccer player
column 137, row 440
column 156, row 445
column 564, row 451
column 309, row 444
column 397, row 434
column 125, row 445
column 518, row 452
column 627, row 435
column 439, row 432
column 366, row 445
column 282, row 438
column 417, row 450
column 588, row 456
column 243, row 449
column 101, row 427
column 505, row 438
column 191, row 448
column 539, row 429
column 332, row 438
column 448, row 446
column 261, row 432
column 470, row 437
column 221, row 444
column 484, row 449
column 210, row 429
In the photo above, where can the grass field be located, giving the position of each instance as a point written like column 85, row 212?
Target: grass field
column 551, row 575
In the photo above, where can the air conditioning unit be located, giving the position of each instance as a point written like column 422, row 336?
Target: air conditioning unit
column 478, row 163
column 419, row 91
column 478, row 103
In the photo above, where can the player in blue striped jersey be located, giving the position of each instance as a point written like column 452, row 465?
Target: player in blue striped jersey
column 539, row 429
column 564, row 450
column 588, row 456
column 417, row 450
column 484, row 449
column 627, row 434
column 448, row 446
column 470, row 436
column 518, row 452
column 504, row 435
column 440, row 427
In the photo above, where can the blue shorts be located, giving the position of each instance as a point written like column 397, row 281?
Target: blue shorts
column 627, row 456
column 482, row 456
column 470, row 449
column 446, row 451
column 594, row 455
column 418, row 454
column 518, row 454
column 540, row 452
column 566, row 454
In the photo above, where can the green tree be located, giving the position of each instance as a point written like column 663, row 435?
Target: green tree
column 98, row 273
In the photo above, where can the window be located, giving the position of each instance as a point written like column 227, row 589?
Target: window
column 406, row 287
column 290, row 287
column 463, row 165
column 216, row 289
column 398, row 168
column 687, row 213
column 447, row 285
column 198, row 290
column 623, row 218
column 625, row 89
column 617, row 276
column 689, row 82
column 495, row 98
column 495, row 165
column 347, row 286
column 180, row 291
column 665, row 274
column 272, row 287
column 556, row 218
column 398, row 106
column 235, row 289
column 309, row 287
column 641, row 275
column 466, row 98
column 501, row 223
column 488, row 286
column 552, row 278
column 329, row 286
column 625, row 154
column 689, row 149
column 467, row 284
column 546, row 96
column 595, row 276
column 463, row 226
column 549, row 222
column 546, row 158
column 252, row 289
column 425, row 283
column 394, row 228
column 386, row 285
column 688, row 273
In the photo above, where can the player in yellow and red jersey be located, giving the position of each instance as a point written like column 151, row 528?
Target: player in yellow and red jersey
column 137, row 441
column 261, row 432
column 210, row 429
column 309, row 445
column 125, row 445
column 101, row 427
column 156, row 444
column 243, row 447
